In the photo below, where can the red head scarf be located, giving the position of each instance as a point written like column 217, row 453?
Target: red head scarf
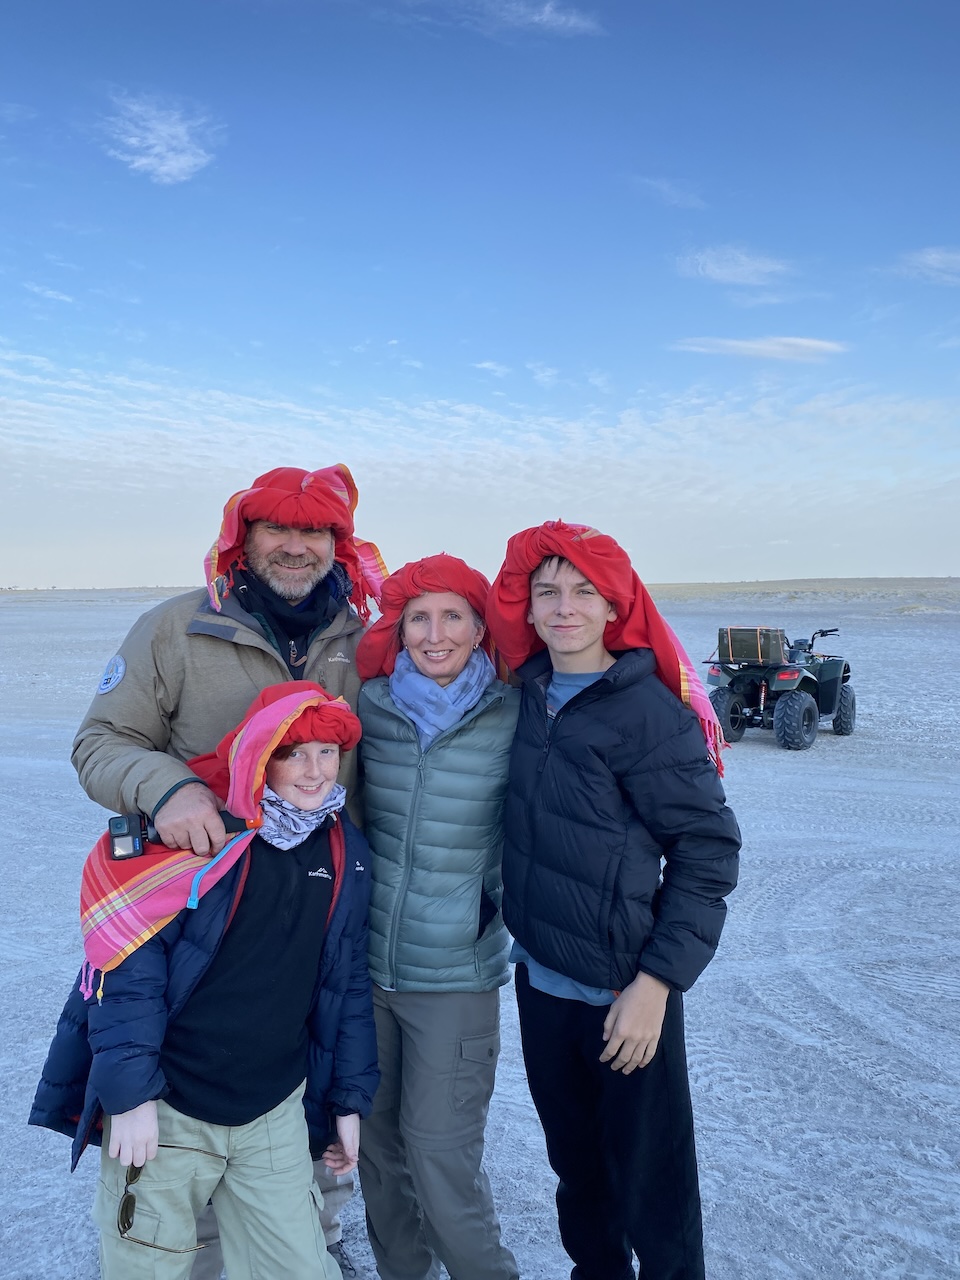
column 323, row 499
column 638, row 624
column 378, row 648
column 308, row 714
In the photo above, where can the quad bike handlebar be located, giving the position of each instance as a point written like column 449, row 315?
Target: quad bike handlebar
column 805, row 646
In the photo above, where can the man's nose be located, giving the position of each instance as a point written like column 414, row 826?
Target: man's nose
column 294, row 544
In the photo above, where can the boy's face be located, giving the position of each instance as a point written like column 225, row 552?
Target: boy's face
column 307, row 775
column 569, row 615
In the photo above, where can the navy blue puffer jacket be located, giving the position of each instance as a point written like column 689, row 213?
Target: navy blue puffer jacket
column 618, row 785
column 104, row 1057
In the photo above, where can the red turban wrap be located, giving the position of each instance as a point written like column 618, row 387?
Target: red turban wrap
column 378, row 648
column 638, row 624
column 311, row 715
column 323, row 499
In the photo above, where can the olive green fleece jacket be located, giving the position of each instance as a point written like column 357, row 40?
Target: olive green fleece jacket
column 191, row 673
column 434, row 821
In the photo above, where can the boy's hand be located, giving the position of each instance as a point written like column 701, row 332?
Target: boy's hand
column 190, row 819
column 342, row 1156
column 134, row 1135
column 632, row 1027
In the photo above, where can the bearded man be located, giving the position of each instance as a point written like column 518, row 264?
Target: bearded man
column 286, row 599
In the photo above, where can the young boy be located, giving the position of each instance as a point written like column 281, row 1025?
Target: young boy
column 232, row 1025
column 613, row 776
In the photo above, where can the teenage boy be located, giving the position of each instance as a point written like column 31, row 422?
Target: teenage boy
column 619, row 850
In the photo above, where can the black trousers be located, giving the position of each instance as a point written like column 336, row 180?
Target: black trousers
column 622, row 1146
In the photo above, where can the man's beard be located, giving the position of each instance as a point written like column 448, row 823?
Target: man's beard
column 293, row 590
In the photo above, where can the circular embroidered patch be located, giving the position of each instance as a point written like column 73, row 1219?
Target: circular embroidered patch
column 116, row 670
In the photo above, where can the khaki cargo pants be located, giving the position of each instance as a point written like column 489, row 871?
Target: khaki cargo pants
column 260, row 1179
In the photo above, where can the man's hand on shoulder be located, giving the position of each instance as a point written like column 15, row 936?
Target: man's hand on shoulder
column 632, row 1027
column 190, row 819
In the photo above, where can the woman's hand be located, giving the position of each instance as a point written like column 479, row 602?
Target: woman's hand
column 342, row 1156
column 134, row 1135
column 633, row 1025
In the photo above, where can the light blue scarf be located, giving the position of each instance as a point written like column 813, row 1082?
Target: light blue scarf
column 432, row 707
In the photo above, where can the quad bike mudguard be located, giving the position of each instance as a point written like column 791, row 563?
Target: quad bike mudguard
column 829, row 685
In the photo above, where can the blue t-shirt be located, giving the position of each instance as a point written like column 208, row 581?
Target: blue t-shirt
column 563, row 686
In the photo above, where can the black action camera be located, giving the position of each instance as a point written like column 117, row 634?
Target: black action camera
column 131, row 832
column 128, row 834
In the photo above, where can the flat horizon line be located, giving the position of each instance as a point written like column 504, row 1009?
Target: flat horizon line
column 774, row 583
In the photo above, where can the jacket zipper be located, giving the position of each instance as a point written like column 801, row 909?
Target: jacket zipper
column 407, row 871
column 551, row 724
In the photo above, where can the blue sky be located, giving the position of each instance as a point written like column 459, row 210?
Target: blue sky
column 686, row 271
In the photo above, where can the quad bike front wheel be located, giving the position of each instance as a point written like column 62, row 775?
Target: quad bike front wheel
column 795, row 721
column 729, row 707
column 846, row 717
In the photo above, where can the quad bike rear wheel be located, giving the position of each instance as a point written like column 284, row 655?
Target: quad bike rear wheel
column 795, row 721
column 729, row 707
column 846, row 717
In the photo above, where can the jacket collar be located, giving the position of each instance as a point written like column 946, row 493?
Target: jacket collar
column 631, row 666
column 234, row 623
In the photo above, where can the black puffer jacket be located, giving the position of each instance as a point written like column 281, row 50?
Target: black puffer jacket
column 619, row 780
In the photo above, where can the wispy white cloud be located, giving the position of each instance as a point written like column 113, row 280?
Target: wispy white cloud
column 765, row 299
column 729, row 264
column 596, row 378
column 492, row 16
column 555, row 19
column 492, row 366
column 424, row 464
column 936, row 265
column 160, row 137
column 412, row 364
column 15, row 113
column 41, row 290
column 543, row 374
column 680, row 195
column 57, row 261
column 806, row 350
column 769, row 298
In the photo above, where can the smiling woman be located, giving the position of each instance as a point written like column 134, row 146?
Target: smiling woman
column 437, row 731
column 440, row 630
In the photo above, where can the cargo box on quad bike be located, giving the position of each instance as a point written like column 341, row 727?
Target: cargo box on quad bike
column 761, row 680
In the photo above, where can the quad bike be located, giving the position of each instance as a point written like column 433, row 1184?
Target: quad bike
column 762, row 680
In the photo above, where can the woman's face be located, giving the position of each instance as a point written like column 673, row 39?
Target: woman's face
column 440, row 632
column 306, row 776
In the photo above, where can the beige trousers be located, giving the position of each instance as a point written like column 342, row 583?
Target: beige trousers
column 336, row 1190
column 260, row 1178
